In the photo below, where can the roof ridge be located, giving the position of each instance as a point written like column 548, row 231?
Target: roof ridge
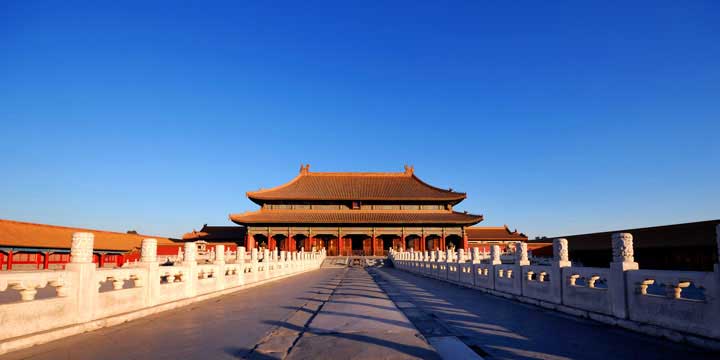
column 350, row 211
column 356, row 186
column 356, row 173
column 77, row 228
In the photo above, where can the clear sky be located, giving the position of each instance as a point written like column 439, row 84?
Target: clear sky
column 555, row 117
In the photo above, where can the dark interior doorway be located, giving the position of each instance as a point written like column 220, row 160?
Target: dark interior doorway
column 357, row 241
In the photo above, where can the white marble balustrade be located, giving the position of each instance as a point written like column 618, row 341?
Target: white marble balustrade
column 678, row 305
column 88, row 298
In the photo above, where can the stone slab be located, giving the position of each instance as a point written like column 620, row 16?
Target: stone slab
column 451, row 348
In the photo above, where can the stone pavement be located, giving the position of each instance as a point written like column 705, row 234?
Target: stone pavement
column 498, row 328
column 358, row 321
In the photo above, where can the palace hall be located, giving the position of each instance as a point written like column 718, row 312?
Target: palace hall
column 356, row 213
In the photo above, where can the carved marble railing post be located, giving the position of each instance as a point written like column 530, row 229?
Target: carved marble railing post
column 521, row 254
column 219, row 254
column 254, row 263
column 81, row 273
column 283, row 261
column 623, row 261
column 301, row 258
column 148, row 251
column 494, row 260
column 461, row 256
column 190, row 263
column 220, row 270
column 495, row 255
column 149, row 261
column 266, row 263
column 240, row 259
column 190, row 253
column 475, row 252
column 561, row 259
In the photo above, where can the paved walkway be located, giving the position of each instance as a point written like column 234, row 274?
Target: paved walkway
column 358, row 321
column 505, row 329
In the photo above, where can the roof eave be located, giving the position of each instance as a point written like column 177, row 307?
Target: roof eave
column 260, row 200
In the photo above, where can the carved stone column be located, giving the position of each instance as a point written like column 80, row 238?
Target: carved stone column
column 495, row 255
column 561, row 259
column 81, row 273
column 521, row 254
column 81, row 250
column 219, row 254
column 190, row 262
column 266, row 261
column 149, row 261
column 190, row 253
column 475, row 255
column 623, row 260
column 240, row 256
column 148, row 250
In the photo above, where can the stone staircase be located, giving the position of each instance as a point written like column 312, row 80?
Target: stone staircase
column 335, row 262
column 359, row 261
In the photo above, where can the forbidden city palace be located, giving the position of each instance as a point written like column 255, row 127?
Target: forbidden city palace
column 356, row 213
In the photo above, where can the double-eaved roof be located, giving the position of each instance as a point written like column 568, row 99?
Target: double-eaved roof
column 365, row 187
column 356, row 186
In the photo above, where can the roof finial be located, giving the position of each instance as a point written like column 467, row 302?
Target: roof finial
column 304, row 169
column 409, row 169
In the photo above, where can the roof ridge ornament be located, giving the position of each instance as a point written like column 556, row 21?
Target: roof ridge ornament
column 409, row 169
column 304, row 169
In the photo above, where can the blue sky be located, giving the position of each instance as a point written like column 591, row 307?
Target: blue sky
column 554, row 117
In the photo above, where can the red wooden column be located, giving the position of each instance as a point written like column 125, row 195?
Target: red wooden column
column 465, row 242
column 292, row 243
column 10, row 260
column 1, row 260
column 37, row 260
column 101, row 260
column 249, row 241
column 341, row 245
column 46, row 260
